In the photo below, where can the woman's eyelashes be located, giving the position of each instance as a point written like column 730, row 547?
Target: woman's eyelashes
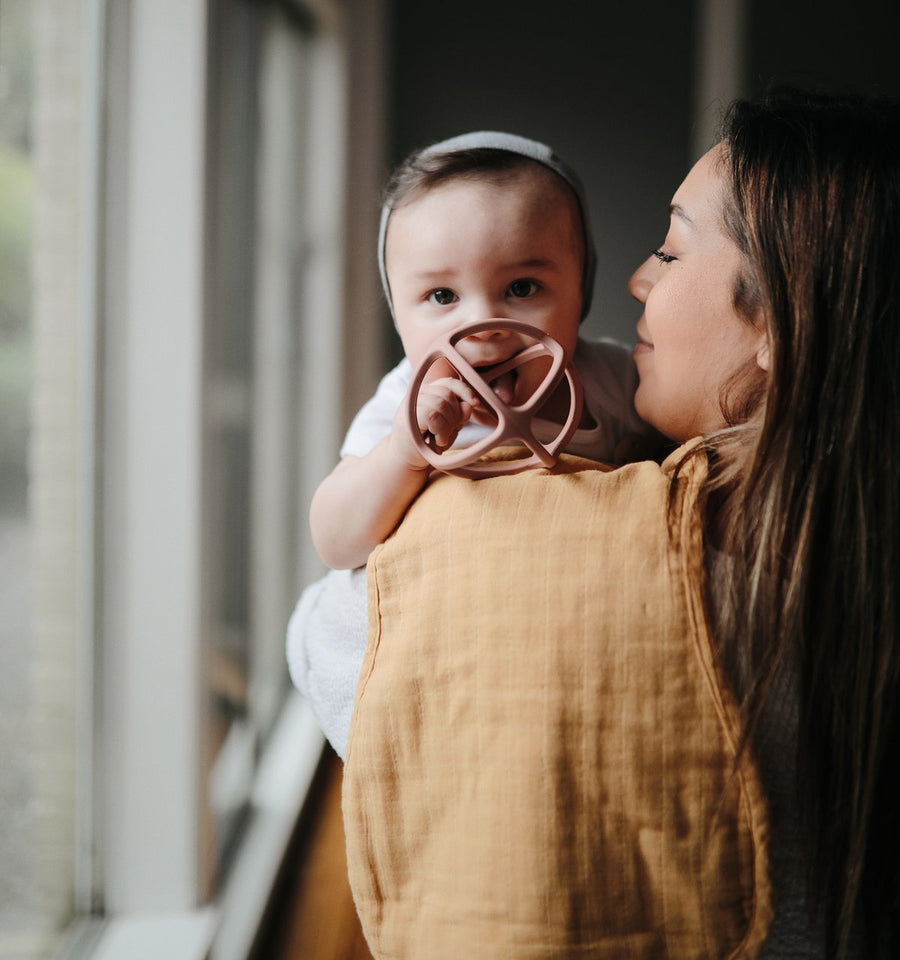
column 662, row 257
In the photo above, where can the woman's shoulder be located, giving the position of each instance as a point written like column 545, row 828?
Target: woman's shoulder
column 578, row 500
column 685, row 463
column 544, row 628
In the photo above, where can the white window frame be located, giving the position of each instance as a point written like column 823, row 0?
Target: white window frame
column 140, row 842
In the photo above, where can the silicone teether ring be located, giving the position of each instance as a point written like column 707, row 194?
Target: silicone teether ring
column 514, row 422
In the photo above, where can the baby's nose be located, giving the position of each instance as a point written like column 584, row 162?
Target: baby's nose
column 491, row 333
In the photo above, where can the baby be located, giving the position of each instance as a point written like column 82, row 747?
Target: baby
column 485, row 225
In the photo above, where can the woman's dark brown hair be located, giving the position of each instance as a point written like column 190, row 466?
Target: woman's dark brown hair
column 813, row 521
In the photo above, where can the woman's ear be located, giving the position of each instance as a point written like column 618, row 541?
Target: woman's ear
column 762, row 355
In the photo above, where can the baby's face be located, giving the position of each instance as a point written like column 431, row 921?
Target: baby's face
column 474, row 250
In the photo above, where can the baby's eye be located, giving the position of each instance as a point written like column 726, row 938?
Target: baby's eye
column 443, row 296
column 662, row 257
column 521, row 289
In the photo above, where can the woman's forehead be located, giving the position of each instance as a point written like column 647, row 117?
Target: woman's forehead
column 698, row 202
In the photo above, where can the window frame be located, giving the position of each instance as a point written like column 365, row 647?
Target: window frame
column 146, row 98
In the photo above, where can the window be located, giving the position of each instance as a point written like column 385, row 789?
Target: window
column 271, row 242
column 206, row 247
column 39, row 482
column 179, row 186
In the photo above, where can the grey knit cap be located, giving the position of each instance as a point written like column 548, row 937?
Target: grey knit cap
column 533, row 150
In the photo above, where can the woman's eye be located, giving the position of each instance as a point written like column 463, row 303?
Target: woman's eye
column 522, row 289
column 442, row 296
column 662, row 257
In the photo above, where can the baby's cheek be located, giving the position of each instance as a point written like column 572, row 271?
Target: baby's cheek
column 531, row 377
column 438, row 370
column 484, row 416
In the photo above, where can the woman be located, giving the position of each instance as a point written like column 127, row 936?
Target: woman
column 771, row 331
column 807, row 511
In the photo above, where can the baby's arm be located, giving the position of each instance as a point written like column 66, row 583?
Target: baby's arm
column 363, row 499
column 360, row 502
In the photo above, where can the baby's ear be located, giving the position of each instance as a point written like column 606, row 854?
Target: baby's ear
column 762, row 354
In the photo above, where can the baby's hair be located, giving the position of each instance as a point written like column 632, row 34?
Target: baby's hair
column 425, row 169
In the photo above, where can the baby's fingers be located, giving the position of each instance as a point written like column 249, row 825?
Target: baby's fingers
column 461, row 390
column 443, row 407
column 456, row 392
column 442, row 421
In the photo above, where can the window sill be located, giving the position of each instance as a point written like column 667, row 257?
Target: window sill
column 227, row 929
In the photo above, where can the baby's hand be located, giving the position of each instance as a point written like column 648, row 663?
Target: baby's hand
column 443, row 407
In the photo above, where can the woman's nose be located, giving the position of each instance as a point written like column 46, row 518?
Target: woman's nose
column 641, row 281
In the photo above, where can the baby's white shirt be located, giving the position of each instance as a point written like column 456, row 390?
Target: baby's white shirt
column 608, row 378
column 326, row 637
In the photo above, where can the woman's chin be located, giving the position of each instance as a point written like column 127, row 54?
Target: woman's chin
column 650, row 413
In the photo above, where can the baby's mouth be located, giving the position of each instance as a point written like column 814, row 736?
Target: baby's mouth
column 503, row 384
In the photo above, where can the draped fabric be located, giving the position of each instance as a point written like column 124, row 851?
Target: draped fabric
column 542, row 754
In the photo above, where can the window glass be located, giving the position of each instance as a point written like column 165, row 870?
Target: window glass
column 66, row 652
column 257, row 98
column 37, row 495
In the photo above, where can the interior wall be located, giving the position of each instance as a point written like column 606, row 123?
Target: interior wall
column 613, row 88
column 608, row 85
column 831, row 44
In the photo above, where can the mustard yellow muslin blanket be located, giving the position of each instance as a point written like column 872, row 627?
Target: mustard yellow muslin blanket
column 541, row 758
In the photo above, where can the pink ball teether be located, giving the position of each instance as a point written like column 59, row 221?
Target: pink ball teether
column 514, row 422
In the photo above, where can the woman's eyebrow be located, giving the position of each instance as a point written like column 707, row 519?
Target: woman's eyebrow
column 676, row 210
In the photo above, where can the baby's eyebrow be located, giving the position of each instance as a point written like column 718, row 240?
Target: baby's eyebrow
column 534, row 263
column 436, row 274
